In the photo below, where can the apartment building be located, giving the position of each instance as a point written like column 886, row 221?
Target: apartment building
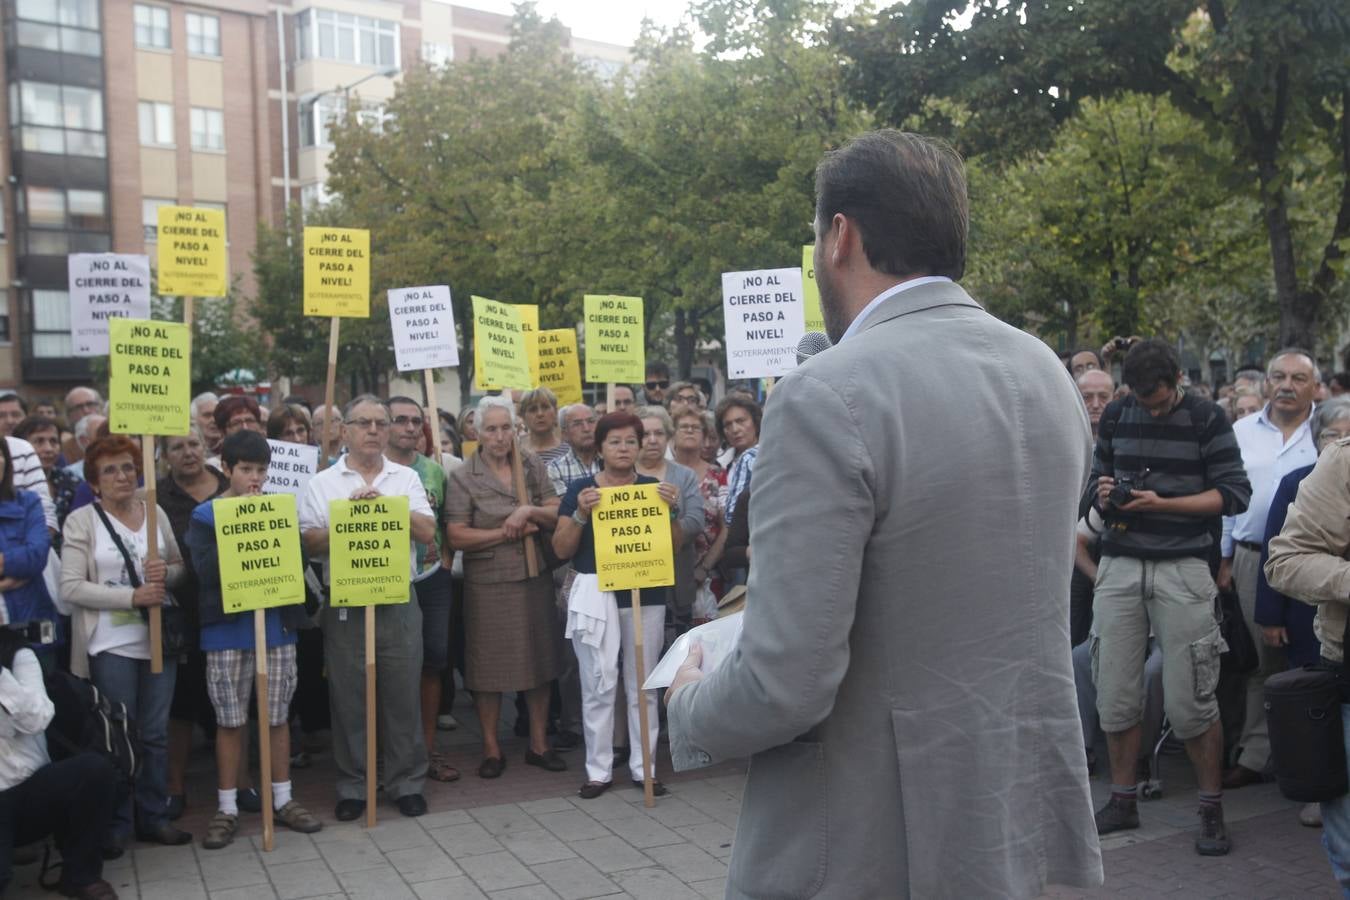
column 115, row 108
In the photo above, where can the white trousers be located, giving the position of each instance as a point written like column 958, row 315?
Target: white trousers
column 597, row 707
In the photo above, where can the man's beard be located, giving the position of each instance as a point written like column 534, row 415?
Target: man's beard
column 831, row 308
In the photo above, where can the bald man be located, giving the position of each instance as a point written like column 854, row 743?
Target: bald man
column 1098, row 388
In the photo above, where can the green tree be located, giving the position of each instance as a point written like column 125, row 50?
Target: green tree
column 1272, row 78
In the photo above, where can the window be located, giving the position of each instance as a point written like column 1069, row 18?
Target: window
column 313, row 196
column 51, row 323
column 70, row 26
column 437, row 54
column 317, row 118
column 150, row 216
column 152, row 26
column 326, row 34
column 208, row 129
column 156, row 123
column 5, row 335
column 59, row 118
column 82, row 210
column 87, row 210
column 203, row 34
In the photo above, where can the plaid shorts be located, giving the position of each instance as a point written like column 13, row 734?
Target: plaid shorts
column 229, row 684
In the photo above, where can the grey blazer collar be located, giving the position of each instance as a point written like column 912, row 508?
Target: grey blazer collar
column 925, row 296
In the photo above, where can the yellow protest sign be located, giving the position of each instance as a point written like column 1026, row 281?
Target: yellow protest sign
column 337, row 272
column 615, row 350
column 529, row 327
column 369, row 542
column 192, row 259
column 632, row 539
column 467, row 449
column 149, row 377
column 558, row 369
column 811, row 291
column 258, row 544
column 501, row 353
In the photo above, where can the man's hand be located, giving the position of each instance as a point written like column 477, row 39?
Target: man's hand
column 8, row 583
column 365, row 493
column 1145, row 501
column 1224, row 579
column 1275, row 635
column 1104, row 485
column 689, row 672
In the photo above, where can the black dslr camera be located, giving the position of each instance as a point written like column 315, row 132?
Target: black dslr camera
column 1126, row 484
column 38, row 632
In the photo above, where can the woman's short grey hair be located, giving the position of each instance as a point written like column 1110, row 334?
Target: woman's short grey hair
column 1328, row 413
column 659, row 413
column 494, row 401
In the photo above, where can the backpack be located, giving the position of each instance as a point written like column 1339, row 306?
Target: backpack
column 86, row 719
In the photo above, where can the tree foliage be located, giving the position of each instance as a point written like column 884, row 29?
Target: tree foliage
column 1271, row 78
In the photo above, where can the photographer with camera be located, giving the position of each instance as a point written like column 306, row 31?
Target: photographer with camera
column 24, row 544
column 1166, row 465
column 72, row 799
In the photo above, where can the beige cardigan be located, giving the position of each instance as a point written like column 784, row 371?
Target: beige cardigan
column 79, row 585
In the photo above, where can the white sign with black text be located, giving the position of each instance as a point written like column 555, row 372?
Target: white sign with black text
column 424, row 328
column 104, row 286
column 291, row 468
column 764, row 319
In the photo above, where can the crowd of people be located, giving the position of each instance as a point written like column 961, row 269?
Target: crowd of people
column 1180, row 560
column 516, row 480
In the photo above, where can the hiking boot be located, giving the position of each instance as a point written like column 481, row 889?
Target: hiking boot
column 220, row 832
column 1213, row 837
column 1117, row 815
column 297, row 818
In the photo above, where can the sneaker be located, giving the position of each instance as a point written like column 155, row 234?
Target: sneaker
column 220, row 831
column 1117, row 815
column 446, row 722
column 297, row 818
column 249, row 800
column 1213, row 837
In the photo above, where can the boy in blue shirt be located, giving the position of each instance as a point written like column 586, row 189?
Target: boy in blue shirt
column 228, row 641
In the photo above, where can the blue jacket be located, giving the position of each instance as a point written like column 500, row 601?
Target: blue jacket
column 24, row 540
column 1273, row 608
column 201, row 539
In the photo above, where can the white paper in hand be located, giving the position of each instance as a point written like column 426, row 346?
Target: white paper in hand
column 718, row 639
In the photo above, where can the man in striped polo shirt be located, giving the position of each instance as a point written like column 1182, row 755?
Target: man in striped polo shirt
column 1167, row 464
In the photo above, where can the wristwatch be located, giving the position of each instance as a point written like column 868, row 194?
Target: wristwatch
column 579, row 518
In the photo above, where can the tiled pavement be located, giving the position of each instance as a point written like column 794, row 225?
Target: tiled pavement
column 528, row 836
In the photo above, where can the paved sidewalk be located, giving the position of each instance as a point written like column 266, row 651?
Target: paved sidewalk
column 527, row 835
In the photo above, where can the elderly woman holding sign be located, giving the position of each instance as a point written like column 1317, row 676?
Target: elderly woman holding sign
column 508, row 613
column 106, row 578
column 601, row 622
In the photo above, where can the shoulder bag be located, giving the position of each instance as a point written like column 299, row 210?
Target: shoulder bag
column 173, row 632
column 1307, row 737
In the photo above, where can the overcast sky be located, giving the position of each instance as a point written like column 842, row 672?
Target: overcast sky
column 615, row 21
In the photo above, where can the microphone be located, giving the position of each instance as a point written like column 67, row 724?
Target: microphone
column 812, row 343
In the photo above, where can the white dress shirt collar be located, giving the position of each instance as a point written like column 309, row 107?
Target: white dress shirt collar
column 857, row 324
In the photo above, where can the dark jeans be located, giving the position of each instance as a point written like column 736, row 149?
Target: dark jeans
column 148, row 698
column 72, row 799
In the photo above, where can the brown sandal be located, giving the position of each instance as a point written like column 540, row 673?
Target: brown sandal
column 439, row 769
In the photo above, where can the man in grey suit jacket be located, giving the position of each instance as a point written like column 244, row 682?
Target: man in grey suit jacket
column 904, row 680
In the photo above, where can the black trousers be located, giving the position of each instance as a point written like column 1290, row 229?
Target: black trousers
column 73, row 800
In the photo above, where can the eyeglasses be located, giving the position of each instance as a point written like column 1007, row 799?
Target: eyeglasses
column 657, row 385
column 366, row 424
column 127, row 469
column 241, row 423
column 690, row 429
column 414, row 421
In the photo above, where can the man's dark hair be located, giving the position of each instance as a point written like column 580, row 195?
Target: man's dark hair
column 11, row 397
column 1341, row 380
column 907, row 195
column 402, row 399
column 1150, row 364
column 297, row 400
column 33, row 424
column 659, row 369
column 245, row 446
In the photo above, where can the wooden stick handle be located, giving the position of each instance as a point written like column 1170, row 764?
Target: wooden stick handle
column 330, row 384
column 434, row 415
column 264, row 725
column 152, row 548
column 523, row 498
column 609, row 397
column 371, row 762
column 639, row 664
